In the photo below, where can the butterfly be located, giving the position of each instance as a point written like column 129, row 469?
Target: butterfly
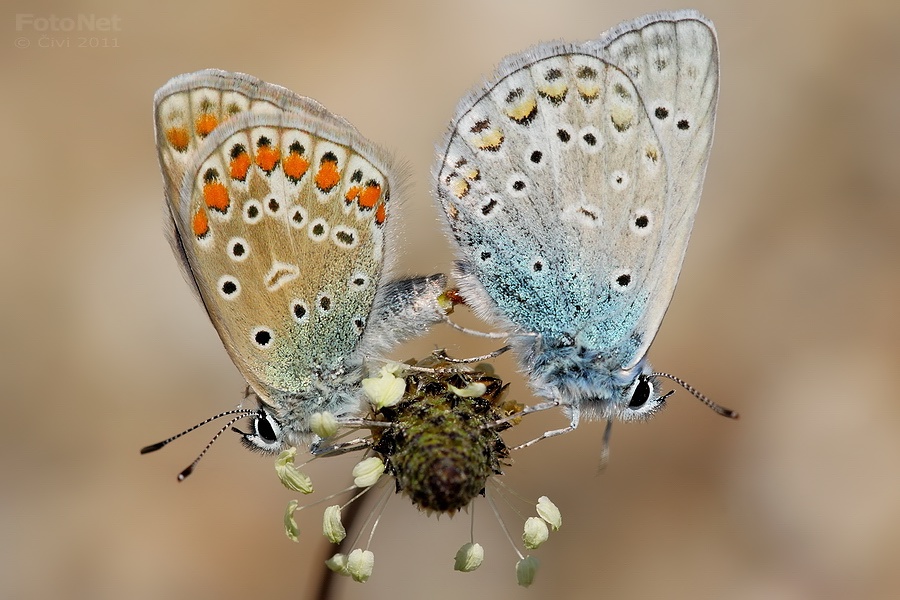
column 570, row 182
column 281, row 217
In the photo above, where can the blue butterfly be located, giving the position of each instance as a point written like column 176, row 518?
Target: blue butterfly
column 569, row 182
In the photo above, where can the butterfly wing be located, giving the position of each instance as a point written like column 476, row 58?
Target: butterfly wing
column 280, row 214
column 188, row 109
column 541, row 173
column 556, row 184
column 673, row 60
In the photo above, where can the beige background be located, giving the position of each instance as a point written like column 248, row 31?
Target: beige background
column 786, row 311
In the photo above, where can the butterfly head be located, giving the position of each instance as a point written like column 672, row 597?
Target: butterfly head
column 282, row 420
column 625, row 395
column 266, row 435
column 641, row 400
column 595, row 385
column 271, row 431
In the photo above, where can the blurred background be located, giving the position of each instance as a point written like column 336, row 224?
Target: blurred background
column 786, row 311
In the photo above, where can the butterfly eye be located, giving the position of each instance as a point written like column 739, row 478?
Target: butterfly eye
column 642, row 392
column 643, row 399
column 265, row 430
column 266, row 435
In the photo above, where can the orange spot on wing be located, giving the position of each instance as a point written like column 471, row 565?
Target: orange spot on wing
column 370, row 195
column 267, row 157
column 328, row 175
column 178, row 138
column 205, row 124
column 200, row 223
column 239, row 166
column 380, row 214
column 352, row 194
column 215, row 195
column 295, row 166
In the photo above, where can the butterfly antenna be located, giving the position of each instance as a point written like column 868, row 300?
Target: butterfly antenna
column 725, row 412
column 240, row 412
column 158, row 445
column 190, row 468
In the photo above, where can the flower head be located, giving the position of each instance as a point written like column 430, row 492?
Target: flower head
column 548, row 512
column 332, row 527
column 526, row 570
column 536, row 532
column 469, row 557
column 360, row 564
column 473, row 390
column 385, row 390
column 290, row 525
column 324, row 424
column 442, row 441
column 367, row 472
column 338, row 564
column 436, row 428
column 289, row 475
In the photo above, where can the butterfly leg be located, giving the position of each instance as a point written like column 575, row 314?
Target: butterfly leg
column 496, row 335
column 442, row 355
column 338, row 449
column 544, row 436
column 604, row 448
column 575, row 415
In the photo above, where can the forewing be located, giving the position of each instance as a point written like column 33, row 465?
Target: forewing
column 673, row 60
column 191, row 106
column 545, row 172
column 288, row 253
column 570, row 181
column 280, row 216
